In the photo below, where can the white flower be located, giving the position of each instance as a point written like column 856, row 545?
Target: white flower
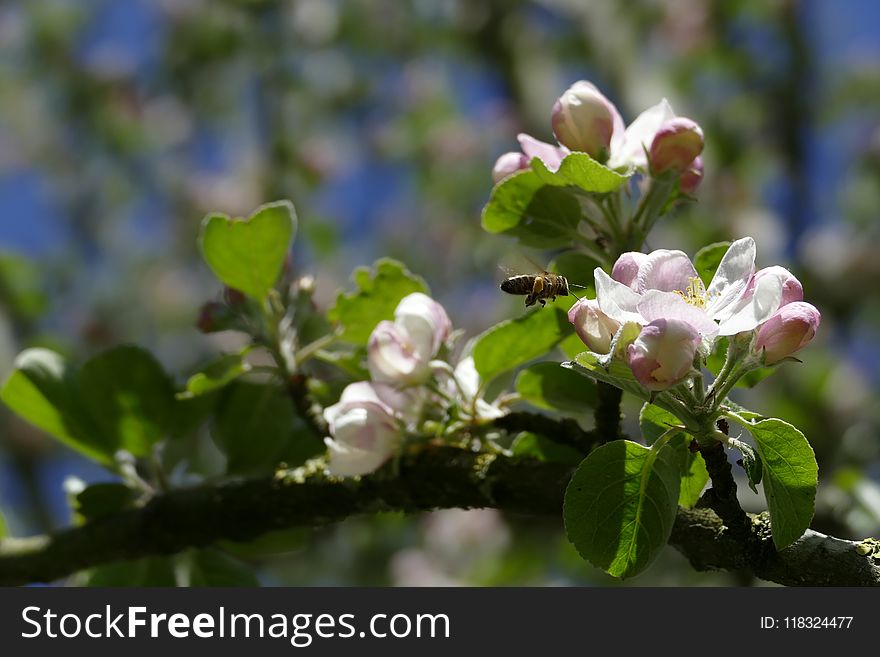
column 364, row 431
column 400, row 352
column 468, row 386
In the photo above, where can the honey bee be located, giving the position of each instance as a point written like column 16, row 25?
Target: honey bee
column 537, row 288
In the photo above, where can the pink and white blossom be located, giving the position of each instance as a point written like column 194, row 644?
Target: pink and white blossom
column 364, row 431
column 792, row 327
column 666, row 286
column 400, row 352
column 663, row 353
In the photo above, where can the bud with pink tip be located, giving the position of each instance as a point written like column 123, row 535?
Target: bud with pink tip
column 663, row 354
column 676, row 145
column 364, row 431
column 593, row 327
column 585, row 120
column 507, row 165
column 792, row 327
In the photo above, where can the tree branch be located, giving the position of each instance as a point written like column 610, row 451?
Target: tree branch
column 431, row 477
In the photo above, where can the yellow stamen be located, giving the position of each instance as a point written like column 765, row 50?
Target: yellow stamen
column 695, row 293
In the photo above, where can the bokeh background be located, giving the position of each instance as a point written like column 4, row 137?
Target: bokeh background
column 123, row 123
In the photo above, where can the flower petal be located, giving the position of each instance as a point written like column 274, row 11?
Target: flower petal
column 549, row 154
column 639, row 135
column 757, row 309
column 731, row 278
column 615, row 299
column 656, row 304
column 665, row 270
column 626, row 269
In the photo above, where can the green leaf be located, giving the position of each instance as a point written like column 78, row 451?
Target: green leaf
column 693, row 480
column 790, row 476
column 375, row 299
column 538, row 214
column 578, row 268
column 210, row 567
column 580, row 170
column 190, row 413
column 4, row 530
column 218, row 374
column 104, row 499
column 541, row 448
column 149, row 571
column 256, row 427
column 249, row 254
column 751, row 463
column 707, row 260
column 616, row 373
column 129, row 396
column 654, row 422
column 550, row 386
column 620, row 505
column 513, row 342
column 42, row 389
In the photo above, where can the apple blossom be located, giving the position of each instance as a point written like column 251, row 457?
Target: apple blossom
column 592, row 326
column 663, row 353
column 364, row 431
column 585, row 120
column 630, row 148
column 676, row 145
column 400, row 352
column 793, row 326
column 667, row 286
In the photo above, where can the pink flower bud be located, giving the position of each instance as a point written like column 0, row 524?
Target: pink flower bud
column 584, row 120
column 793, row 326
column 676, row 145
column 626, row 269
column 507, row 165
column 363, row 429
column 663, row 354
column 593, row 327
column 692, row 177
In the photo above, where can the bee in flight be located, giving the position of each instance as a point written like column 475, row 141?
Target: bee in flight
column 537, row 287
